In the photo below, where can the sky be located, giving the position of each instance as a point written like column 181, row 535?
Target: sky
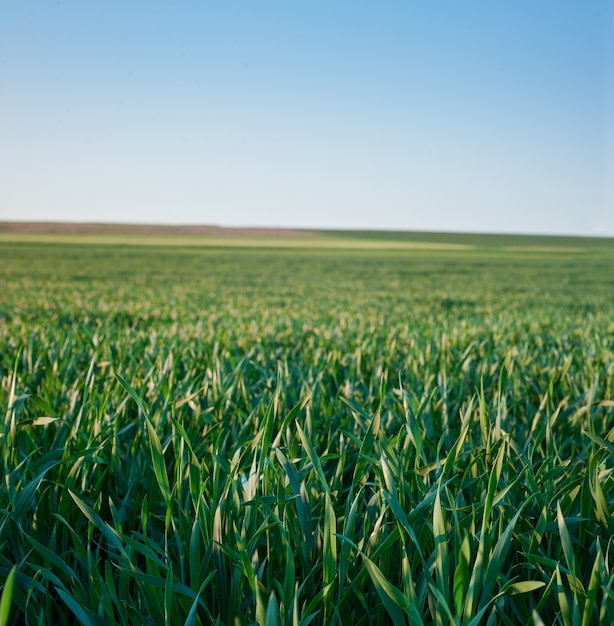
column 439, row 115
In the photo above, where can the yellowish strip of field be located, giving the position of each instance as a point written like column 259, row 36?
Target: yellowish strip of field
column 231, row 241
column 542, row 248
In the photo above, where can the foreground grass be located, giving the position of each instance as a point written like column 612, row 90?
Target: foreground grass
column 295, row 437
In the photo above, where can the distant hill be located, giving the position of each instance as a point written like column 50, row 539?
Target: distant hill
column 145, row 229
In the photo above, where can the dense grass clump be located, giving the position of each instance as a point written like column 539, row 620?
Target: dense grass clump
column 306, row 437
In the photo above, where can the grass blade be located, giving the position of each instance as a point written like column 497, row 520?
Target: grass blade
column 7, row 597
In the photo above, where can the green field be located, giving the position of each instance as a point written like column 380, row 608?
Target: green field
column 382, row 429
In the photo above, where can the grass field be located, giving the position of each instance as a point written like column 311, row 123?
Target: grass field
column 307, row 435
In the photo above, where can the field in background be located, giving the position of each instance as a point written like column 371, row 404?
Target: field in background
column 230, row 241
column 288, row 435
column 215, row 236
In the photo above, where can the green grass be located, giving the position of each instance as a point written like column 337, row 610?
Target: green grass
column 483, row 240
column 307, row 436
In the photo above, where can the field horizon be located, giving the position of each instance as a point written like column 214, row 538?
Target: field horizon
column 214, row 235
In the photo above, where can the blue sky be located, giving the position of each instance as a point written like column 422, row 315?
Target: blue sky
column 484, row 116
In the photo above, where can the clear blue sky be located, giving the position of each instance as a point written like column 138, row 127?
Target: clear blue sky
column 480, row 115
